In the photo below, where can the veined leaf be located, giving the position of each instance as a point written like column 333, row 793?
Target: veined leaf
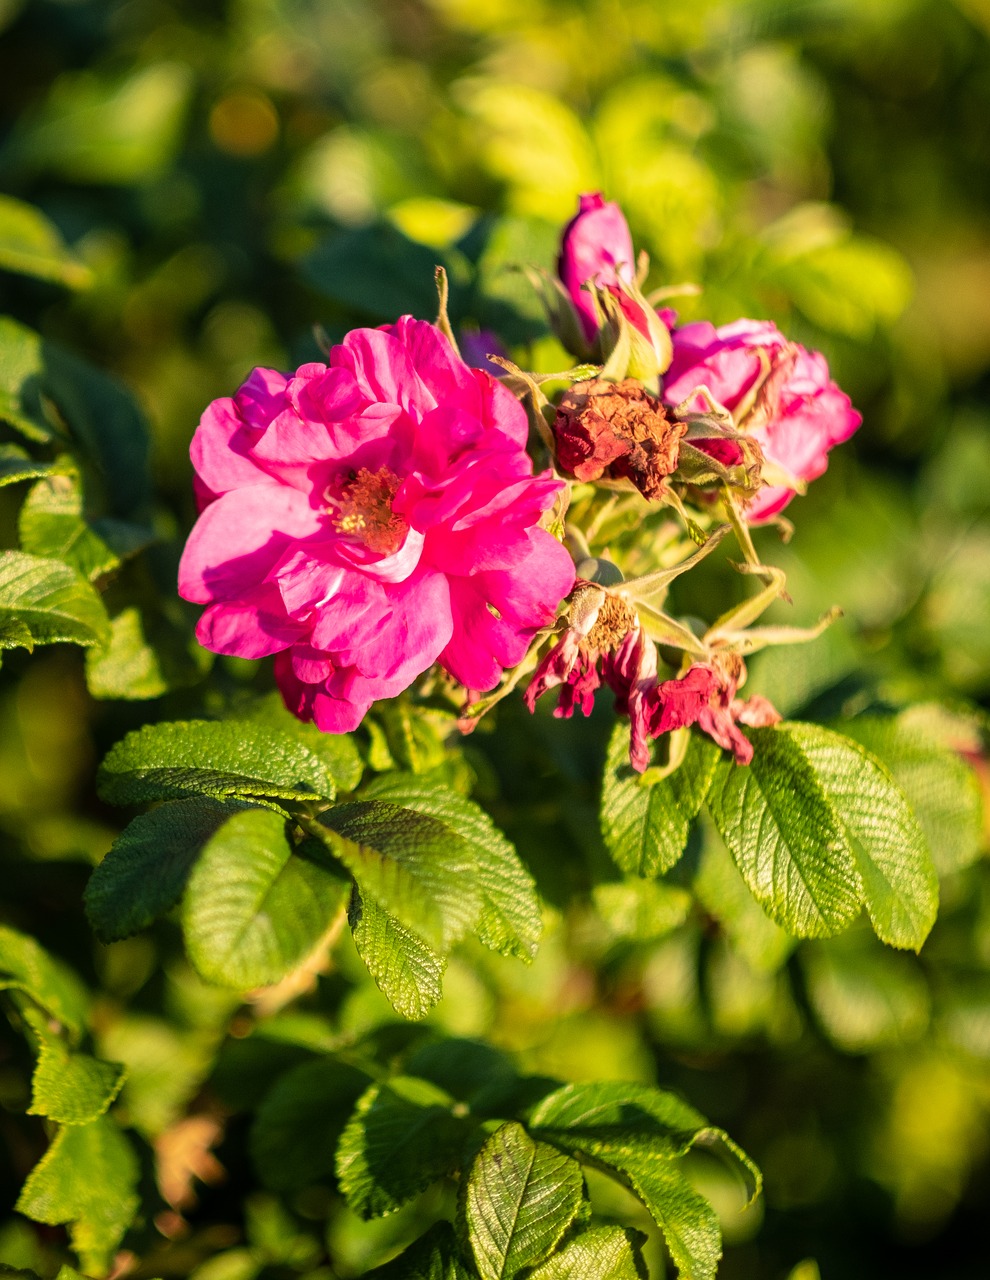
column 145, row 871
column 434, row 1256
column 519, row 1199
column 510, row 920
column 900, row 887
column 939, row 785
column 604, row 1253
column 616, row 1115
column 414, row 866
column 645, row 825
column 786, row 837
column 69, row 1087
column 407, row 972
column 253, row 909
column 31, row 245
column 87, row 1179
column 26, row 966
column 217, row 758
column 337, row 751
column 402, row 1136
column 44, row 601
column 297, row 1127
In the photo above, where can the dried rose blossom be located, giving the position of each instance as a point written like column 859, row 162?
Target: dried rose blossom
column 368, row 517
column 617, row 430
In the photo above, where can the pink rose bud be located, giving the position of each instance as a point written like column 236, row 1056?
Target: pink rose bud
column 778, row 392
column 596, row 246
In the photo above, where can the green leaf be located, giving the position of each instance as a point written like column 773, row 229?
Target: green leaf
column 939, row 785
column 51, row 523
column 298, row 1125
column 253, row 910
column 618, row 1119
column 865, row 997
column 786, row 837
column 414, row 866
column 130, row 667
column 45, row 602
column 900, row 887
column 510, row 920
column 21, row 379
column 107, row 129
column 218, row 758
column 71, row 1088
column 376, row 271
column 86, row 1179
column 32, row 246
column 105, row 421
column 689, row 1223
column 16, row 465
column 645, row 824
column 145, row 872
column 26, row 966
column 605, row 1253
column 402, row 1137
column 407, row 972
column 338, row 751
column 434, row 1256
column 519, row 1199
column 641, row 909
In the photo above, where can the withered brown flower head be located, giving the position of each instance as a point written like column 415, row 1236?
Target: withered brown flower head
column 617, row 430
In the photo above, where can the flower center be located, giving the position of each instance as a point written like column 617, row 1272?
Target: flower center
column 364, row 510
column 615, row 620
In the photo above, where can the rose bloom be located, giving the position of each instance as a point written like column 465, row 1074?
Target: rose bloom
column 798, row 413
column 365, row 518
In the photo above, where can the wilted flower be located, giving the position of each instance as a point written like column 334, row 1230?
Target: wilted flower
column 603, row 642
column 366, row 518
column 617, row 430
column 706, row 696
column 779, row 393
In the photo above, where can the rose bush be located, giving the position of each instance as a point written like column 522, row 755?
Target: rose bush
column 368, row 517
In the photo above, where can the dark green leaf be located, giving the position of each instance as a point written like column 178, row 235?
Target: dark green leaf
column 182, row 758
column 297, row 1127
column 510, row 914
column 145, row 872
column 16, row 466
column 412, row 865
column 645, row 824
column 21, row 381
column 254, row 910
column 434, row 1256
column 402, row 1137
column 520, row 1198
column 337, row 751
column 52, row 524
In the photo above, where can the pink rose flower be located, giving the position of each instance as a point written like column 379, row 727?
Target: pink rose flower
column 597, row 246
column 796, row 415
column 368, row 517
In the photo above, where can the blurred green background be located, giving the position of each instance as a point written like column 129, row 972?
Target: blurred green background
column 228, row 175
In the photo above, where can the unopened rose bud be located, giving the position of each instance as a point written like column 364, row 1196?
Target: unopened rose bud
column 596, row 246
column 619, row 431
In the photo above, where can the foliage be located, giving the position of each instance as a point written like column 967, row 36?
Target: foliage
column 254, row 1068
